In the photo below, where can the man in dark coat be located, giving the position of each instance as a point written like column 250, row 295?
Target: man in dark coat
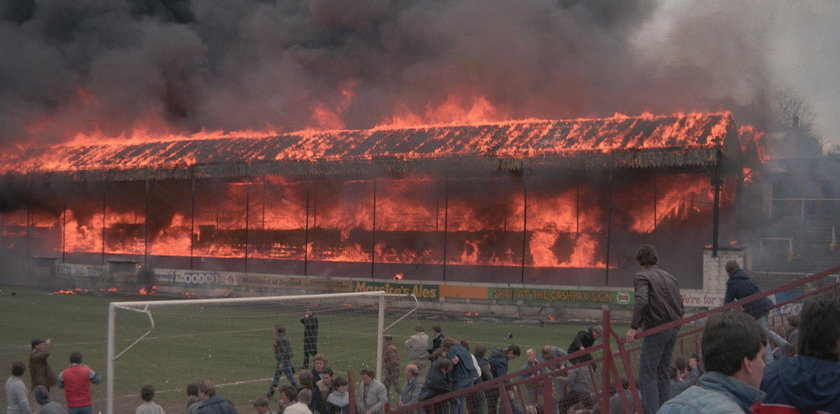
column 499, row 366
column 740, row 285
column 437, row 341
column 583, row 340
column 310, row 336
column 437, row 382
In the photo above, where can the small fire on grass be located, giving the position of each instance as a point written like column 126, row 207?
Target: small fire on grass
column 151, row 291
column 75, row 291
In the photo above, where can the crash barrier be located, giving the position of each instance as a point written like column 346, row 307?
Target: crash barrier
column 591, row 380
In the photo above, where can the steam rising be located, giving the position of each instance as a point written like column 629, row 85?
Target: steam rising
column 169, row 66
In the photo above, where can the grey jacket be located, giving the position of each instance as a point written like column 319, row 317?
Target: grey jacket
column 372, row 397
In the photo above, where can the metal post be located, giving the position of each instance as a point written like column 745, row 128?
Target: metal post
column 64, row 233
column 655, row 213
column 716, row 181
column 524, row 228
column 192, row 219
column 28, row 229
column 247, row 218
column 104, row 204
column 607, row 364
column 109, row 374
column 373, row 234
column 146, row 228
column 306, row 233
column 445, row 220
column 577, row 209
column 609, row 221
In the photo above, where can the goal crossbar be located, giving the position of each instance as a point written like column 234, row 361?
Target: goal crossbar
column 145, row 307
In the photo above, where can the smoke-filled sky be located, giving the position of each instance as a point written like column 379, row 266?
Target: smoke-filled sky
column 112, row 67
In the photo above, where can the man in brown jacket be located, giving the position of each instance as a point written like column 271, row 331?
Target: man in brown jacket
column 39, row 367
column 658, row 301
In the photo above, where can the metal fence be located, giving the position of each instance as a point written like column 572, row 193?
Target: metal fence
column 606, row 383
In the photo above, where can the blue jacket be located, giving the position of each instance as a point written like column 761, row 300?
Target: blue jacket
column 498, row 362
column 716, row 394
column 804, row 382
column 216, row 405
column 739, row 286
column 464, row 369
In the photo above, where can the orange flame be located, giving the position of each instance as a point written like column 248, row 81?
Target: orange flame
column 153, row 290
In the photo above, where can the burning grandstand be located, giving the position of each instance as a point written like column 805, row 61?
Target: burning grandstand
column 534, row 202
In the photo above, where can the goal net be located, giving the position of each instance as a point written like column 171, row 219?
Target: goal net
column 172, row 343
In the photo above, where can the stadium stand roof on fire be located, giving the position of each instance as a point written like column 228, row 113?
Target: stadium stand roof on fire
column 681, row 140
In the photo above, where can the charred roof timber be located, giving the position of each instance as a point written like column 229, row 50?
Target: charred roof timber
column 681, row 140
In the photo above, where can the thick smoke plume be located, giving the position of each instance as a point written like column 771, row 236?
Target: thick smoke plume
column 114, row 67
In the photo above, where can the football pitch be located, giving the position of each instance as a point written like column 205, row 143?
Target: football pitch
column 230, row 348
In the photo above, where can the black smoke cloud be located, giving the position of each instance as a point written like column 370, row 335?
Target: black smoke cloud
column 169, row 66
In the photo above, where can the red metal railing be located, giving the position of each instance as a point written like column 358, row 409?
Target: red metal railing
column 541, row 388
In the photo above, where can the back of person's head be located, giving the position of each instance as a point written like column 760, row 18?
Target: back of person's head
column 18, row 368
column 339, row 381
column 438, row 353
column 480, row 351
column 42, row 396
column 681, row 364
column 418, row 328
column 465, row 344
column 76, row 358
column 280, row 328
column 448, row 342
column 260, row 401
column 597, row 329
column 147, row 392
column 305, row 396
column 290, row 392
column 437, row 329
column 732, row 266
column 413, row 369
column 207, row 387
column 819, row 327
column 36, row 341
column 728, row 338
column 192, row 389
column 514, row 349
column 646, row 255
column 305, row 378
column 387, row 338
column 444, row 363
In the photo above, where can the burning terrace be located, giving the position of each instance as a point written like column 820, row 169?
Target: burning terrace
column 537, row 201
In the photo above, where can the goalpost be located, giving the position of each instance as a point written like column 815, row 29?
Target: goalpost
column 172, row 343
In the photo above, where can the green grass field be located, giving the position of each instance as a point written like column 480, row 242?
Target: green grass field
column 230, row 347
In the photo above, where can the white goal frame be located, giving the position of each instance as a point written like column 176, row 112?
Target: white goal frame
column 143, row 306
